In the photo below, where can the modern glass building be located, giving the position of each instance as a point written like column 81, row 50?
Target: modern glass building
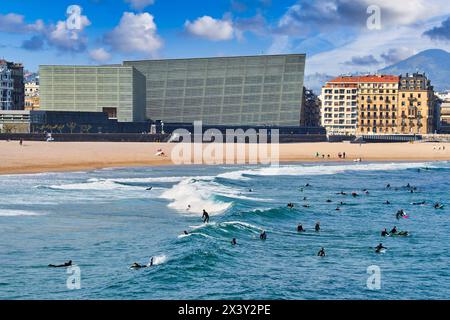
column 248, row 90
column 118, row 91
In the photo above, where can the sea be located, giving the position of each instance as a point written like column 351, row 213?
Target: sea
column 106, row 220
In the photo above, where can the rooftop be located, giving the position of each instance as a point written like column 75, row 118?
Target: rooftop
column 367, row 78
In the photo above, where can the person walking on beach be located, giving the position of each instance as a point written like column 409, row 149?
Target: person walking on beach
column 21, row 142
column 205, row 216
column 344, row 155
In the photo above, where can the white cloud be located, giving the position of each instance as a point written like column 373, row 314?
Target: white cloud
column 210, row 28
column 99, row 55
column 136, row 33
column 140, row 4
column 15, row 23
column 69, row 39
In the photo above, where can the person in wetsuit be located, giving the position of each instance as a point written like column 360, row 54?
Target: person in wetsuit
column 379, row 247
column 400, row 213
column 300, row 228
column 321, row 253
column 317, row 228
column 394, row 230
column 234, row 242
column 384, row 233
column 66, row 264
column 205, row 216
column 263, row 235
column 290, row 205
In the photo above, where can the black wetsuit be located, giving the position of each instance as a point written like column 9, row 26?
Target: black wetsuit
column 205, row 217
column 263, row 236
column 317, row 227
column 300, row 228
column 321, row 253
column 67, row 264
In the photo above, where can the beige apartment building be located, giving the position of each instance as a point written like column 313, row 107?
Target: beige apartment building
column 339, row 111
column 32, row 99
column 416, row 105
column 377, row 104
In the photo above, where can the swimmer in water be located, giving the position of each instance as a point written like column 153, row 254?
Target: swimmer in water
column 321, row 253
column 290, row 205
column 234, row 242
column 437, row 205
column 263, row 236
column 400, row 213
column 329, row 201
column 354, row 194
column 387, row 202
column 379, row 248
column 388, row 186
column 394, row 230
column 317, row 228
column 66, row 264
column 185, row 233
column 306, row 206
column 205, row 216
column 300, row 228
column 384, row 233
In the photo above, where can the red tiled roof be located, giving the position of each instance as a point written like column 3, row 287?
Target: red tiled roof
column 370, row 78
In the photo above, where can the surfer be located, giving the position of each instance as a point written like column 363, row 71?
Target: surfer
column 329, row 201
column 387, row 202
column 437, row 205
column 379, row 248
column 388, row 186
column 418, row 203
column 205, row 216
column 384, row 233
column 307, row 185
column 400, row 213
column 137, row 266
column 263, row 235
column 342, row 193
column 394, row 230
column 354, row 194
column 306, row 206
column 321, row 253
column 66, row 264
column 290, row 205
column 234, row 242
column 317, row 228
column 149, row 189
column 186, row 233
column 300, row 228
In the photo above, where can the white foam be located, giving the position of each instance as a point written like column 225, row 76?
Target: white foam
column 95, row 184
column 158, row 260
column 199, row 195
column 150, row 179
column 302, row 170
column 15, row 213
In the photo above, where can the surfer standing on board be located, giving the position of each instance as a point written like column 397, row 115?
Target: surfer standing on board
column 205, row 216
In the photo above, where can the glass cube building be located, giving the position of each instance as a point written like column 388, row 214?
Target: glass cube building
column 118, row 91
column 247, row 90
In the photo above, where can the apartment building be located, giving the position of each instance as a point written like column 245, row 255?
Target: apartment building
column 416, row 105
column 377, row 104
column 339, row 114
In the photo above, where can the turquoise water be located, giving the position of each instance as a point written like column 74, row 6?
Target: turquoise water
column 105, row 220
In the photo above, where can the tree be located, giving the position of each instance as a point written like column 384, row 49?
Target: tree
column 71, row 126
column 86, row 128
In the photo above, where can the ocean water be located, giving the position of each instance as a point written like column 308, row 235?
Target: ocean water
column 105, row 220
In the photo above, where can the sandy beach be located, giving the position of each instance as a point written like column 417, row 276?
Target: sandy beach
column 36, row 157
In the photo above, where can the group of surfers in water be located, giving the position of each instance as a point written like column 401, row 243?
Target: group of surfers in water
column 263, row 236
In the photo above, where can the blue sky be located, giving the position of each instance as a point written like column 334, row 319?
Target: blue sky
column 333, row 33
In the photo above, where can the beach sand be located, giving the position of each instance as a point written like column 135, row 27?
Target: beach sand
column 36, row 157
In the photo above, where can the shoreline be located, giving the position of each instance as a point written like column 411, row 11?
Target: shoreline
column 43, row 157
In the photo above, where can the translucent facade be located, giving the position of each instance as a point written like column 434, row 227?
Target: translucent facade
column 251, row 90
column 116, row 90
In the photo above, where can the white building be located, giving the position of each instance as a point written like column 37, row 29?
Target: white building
column 339, row 112
column 6, row 88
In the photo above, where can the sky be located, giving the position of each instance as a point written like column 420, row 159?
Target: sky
column 338, row 36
